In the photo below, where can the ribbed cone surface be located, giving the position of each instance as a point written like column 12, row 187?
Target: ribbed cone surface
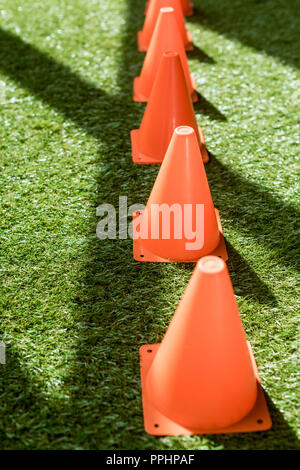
column 202, row 376
column 166, row 37
column 152, row 16
column 182, row 180
column 169, row 106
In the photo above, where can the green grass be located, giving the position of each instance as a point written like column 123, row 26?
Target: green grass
column 74, row 309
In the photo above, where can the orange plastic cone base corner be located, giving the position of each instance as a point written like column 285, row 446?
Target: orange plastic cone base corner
column 137, row 96
column 138, row 157
column 189, row 46
column 142, row 47
column 140, row 98
column 190, row 10
column 203, row 150
column 159, row 425
column 142, row 159
column 195, row 96
column 141, row 254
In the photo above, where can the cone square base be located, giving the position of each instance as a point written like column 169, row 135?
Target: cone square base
column 142, row 47
column 157, row 424
column 138, row 97
column 142, row 159
column 141, row 254
column 190, row 10
column 203, row 150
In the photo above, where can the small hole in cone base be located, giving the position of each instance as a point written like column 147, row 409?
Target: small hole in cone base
column 166, row 9
column 142, row 256
column 156, row 425
column 149, row 350
column 260, row 421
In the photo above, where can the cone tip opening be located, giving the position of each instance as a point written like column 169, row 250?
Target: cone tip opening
column 211, row 264
column 184, row 130
column 166, row 10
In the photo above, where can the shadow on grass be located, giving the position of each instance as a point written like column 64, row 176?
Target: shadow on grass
column 280, row 437
column 270, row 26
column 204, row 106
column 104, row 406
column 53, row 83
column 120, row 304
column 104, row 414
column 116, row 304
column 200, row 55
column 246, row 282
column 256, row 212
column 29, row 419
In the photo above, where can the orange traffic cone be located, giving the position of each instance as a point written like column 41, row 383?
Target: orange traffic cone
column 166, row 37
column 203, row 377
column 169, row 106
column 145, row 35
column 187, row 7
column 179, row 222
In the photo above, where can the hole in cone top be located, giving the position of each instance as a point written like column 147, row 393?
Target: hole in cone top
column 184, row 130
column 211, row 264
column 170, row 54
column 166, row 9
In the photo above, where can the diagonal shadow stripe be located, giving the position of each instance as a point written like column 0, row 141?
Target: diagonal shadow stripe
column 110, row 328
column 271, row 26
column 53, row 82
column 274, row 225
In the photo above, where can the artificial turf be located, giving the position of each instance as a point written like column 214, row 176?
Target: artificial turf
column 74, row 309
